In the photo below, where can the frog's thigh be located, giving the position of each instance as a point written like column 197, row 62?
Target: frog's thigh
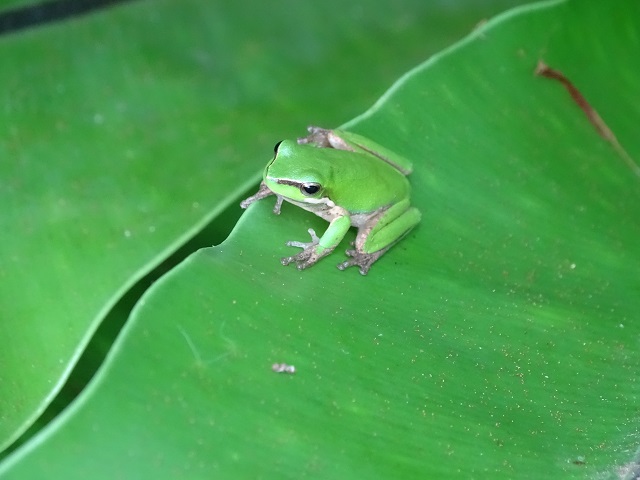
column 392, row 225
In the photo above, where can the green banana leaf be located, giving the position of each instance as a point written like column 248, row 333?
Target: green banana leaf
column 498, row 340
column 129, row 130
column 14, row 4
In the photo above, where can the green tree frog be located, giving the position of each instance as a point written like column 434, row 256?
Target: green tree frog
column 348, row 180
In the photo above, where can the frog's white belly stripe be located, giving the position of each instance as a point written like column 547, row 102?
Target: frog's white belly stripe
column 319, row 201
column 328, row 210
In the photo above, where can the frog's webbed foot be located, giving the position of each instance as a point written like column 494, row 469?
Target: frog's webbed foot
column 324, row 138
column 318, row 137
column 362, row 259
column 310, row 254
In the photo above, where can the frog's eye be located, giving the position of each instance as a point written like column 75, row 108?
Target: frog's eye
column 275, row 149
column 309, row 189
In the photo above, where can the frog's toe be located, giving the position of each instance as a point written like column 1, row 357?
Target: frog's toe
column 315, row 240
column 294, row 243
column 287, row 260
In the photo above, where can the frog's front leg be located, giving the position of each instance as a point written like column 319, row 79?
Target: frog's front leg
column 319, row 247
column 380, row 233
column 263, row 192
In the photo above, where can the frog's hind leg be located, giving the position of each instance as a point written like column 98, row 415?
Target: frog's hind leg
column 381, row 234
column 391, row 226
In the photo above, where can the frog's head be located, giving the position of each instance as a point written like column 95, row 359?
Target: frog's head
column 292, row 173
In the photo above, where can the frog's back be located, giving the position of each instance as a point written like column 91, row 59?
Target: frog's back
column 361, row 182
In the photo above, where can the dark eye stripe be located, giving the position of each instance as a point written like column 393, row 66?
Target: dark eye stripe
column 283, row 181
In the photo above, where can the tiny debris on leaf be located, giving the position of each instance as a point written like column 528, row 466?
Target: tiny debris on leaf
column 283, row 368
